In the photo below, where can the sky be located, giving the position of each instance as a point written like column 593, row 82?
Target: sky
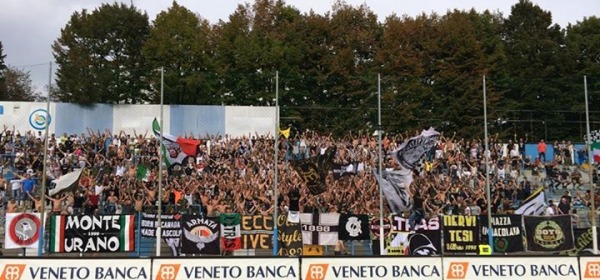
column 29, row 27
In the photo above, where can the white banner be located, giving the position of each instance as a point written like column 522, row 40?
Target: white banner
column 74, row 269
column 371, row 268
column 589, row 267
column 546, row 268
column 215, row 268
column 22, row 230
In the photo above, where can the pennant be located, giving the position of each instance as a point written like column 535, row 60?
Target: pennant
column 533, row 205
column 285, row 132
column 320, row 229
column 67, row 182
column 175, row 150
column 313, row 171
column 231, row 236
column 354, row 227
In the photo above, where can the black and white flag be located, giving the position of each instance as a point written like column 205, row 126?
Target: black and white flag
column 354, row 227
column 594, row 135
column 395, row 183
column 534, row 205
column 341, row 170
column 320, row 229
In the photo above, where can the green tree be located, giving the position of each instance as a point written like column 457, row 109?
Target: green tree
column 2, row 73
column 99, row 56
column 181, row 42
column 18, row 86
column 534, row 84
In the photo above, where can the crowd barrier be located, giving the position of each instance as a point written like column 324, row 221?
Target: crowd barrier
column 305, row 268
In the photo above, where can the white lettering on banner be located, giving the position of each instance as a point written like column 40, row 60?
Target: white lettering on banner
column 93, row 222
column 106, row 243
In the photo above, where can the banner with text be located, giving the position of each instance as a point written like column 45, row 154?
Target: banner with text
column 74, row 269
column 424, row 241
column 503, row 268
column 223, row 268
column 506, row 232
column 87, row 233
column 549, row 233
column 289, row 237
column 170, row 229
column 371, row 268
column 200, row 235
column 461, row 234
column 257, row 232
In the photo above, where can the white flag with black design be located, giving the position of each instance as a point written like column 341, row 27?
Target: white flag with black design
column 534, row 205
column 320, row 229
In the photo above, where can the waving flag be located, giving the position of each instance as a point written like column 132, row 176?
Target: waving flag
column 67, row 182
column 175, row 149
column 395, row 183
column 535, row 204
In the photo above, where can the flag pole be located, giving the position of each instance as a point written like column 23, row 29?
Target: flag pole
column 380, row 165
column 160, row 163
column 44, row 168
column 487, row 167
column 275, row 175
column 591, row 163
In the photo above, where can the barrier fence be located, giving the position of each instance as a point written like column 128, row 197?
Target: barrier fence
column 305, row 268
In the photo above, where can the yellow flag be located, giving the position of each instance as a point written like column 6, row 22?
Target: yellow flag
column 285, row 133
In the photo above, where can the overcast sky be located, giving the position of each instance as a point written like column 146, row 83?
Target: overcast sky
column 28, row 27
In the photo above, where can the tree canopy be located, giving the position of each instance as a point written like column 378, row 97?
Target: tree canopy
column 431, row 66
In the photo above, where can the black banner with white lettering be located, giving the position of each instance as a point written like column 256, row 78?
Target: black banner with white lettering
column 170, row 229
column 507, row 233
column 354, row 227
column 461, row 234
column 549, row 233
column 88, row 233
column 200, row 235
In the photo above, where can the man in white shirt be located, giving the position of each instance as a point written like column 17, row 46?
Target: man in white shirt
column 550, row 209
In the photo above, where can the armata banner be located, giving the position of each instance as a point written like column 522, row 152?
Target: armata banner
column 549, row 233
column 87, row 233
column 200, row 235
column 461, row 234
column 170, row 229
column 22, row 230
column 506, row 232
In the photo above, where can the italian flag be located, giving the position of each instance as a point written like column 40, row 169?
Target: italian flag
column 127, row 234
column 596, row 151
column 231, row 237
column 175, row 149
column 57, row 234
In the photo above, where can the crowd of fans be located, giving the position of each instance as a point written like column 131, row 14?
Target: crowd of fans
column 237, row 174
